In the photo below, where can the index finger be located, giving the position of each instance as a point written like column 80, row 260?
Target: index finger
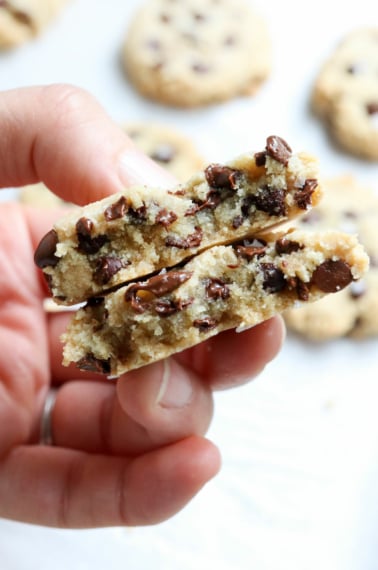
column 60, row 135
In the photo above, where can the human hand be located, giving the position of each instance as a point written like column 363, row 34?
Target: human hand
column 130, row 452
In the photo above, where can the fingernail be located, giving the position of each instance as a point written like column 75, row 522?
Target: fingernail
column 137, row 168
column 176, row 389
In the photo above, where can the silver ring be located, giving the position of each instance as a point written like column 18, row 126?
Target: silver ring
column 45, row 434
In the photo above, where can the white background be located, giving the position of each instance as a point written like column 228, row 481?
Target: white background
column 299, row 484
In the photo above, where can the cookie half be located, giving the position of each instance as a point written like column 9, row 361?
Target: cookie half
column 197, row 52
column 234, row 286
column 143, row 230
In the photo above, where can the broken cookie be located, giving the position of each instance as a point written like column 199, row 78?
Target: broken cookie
column 143, row 230
column 231, row 286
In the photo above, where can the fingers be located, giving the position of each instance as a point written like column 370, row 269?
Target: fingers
column 60, row 135
column 71, row 489
column 148, row 408
column 231, row 359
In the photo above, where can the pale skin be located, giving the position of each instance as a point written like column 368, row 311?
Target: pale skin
column 126, row 452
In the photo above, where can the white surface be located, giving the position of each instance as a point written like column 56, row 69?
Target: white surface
column 298, row 488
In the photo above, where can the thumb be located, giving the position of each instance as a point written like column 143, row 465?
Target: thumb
column 60, row 135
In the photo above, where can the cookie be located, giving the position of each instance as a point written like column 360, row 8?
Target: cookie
column 350, row 207
column 233, row 286
column 168, row 147
column 143, row 230
column 22, row 20
column 196, row 52
column 40, row 196
column 345, row 93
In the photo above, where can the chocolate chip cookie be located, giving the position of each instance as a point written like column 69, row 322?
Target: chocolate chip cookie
column 231, row 286
column 22, row 20
column 345, row 93
column 143, row 230
column 350, row 207
column 196, row 52
column 167, row 146
column 40, row 196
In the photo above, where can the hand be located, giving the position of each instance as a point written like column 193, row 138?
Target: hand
column 130, row 452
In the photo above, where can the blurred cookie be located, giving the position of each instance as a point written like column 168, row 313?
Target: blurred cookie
column 166, row 146
column 349, row 207
column 197, row 52
column 345, row 93
column 40, row 196
column 21, row 20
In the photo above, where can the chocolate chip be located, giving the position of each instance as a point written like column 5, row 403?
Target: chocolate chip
column 93, row 364
column 273, row 278
column 165, row 18
column 350, row 215
column 213, row 199
column 22, row 17
column 285, row 245
column 116, row 210
column 260, row 158
column 269, row 200
column 164, row 153
column 199, row 17
column 205, row 324
column 300, row 287
column 219, row 176
column 167, row 307
column 201, row 67
column 332, row 276
column 87, row 243
column 356, row 68
column 45, row 252
column 157, row 286
column 372, row 108
column 154, row 45
column 18, row 15
column 106, row 268
column 303, row 196
column 165, row 217
column 373, row 258
column 237, row 222
column 216, row 289
column 230, row 41
column 192, row 240
column 138, row 215
column 250, row 249
column 312, row 217
column 278, row 149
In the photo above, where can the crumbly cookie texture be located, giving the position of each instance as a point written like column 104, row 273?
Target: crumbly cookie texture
column 233, row 286
column 143, row 230
column 345, row 93
column 22, row 20
column 197, row 52
column 168, row 147
column 348, row 206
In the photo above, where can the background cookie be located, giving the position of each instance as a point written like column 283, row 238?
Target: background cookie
column 39, row 195
column 345, row 93
column 353, row 120
column 21, row 20
column 352, row 208
column 168, row 147
column 196, row 52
